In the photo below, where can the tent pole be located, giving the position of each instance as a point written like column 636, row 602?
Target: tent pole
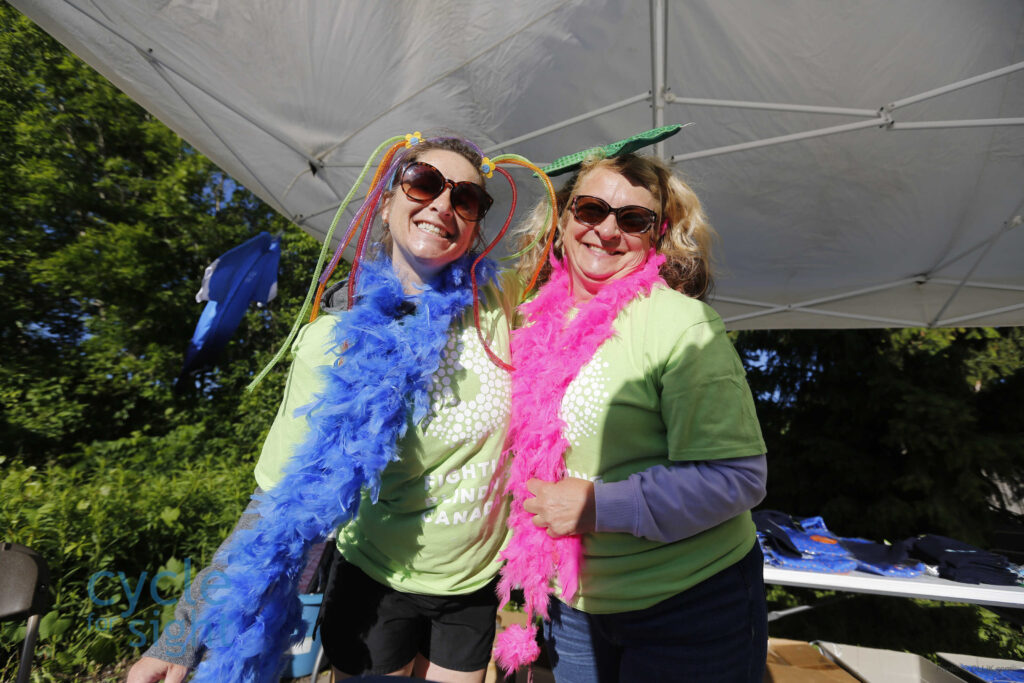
column 978, row 285
column 568, row 122
column 867, row 318
column 965, row 253
column 803, row 305
column 966, row 123
column 829, row 299
column 824, row 299
column 1008, row 225
column 306, row 217
column 162, row 66
column 886, row 322
column 162, row 69
column 659, row 55
column 159, row 67
column 817, row 133
column 770, row 106
column 949, row 322
column 956, row 86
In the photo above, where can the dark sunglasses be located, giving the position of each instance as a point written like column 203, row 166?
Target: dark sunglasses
column 591, row 211
column 421, row 182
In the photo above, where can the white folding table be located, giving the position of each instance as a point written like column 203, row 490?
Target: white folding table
column 923, row 586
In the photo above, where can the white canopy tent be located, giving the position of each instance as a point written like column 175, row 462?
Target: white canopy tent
column 863, row 162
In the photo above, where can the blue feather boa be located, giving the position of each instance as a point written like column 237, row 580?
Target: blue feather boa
column 386, row 362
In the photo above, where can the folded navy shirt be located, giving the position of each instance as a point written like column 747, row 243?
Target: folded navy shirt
column 960, row 561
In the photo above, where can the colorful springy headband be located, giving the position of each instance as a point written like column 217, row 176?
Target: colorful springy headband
column 393, row 157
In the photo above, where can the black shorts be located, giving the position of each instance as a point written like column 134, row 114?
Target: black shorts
column 370, row 628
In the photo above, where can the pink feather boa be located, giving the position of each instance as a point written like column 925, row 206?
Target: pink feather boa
column 548, row 354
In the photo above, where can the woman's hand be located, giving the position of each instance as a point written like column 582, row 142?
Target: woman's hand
column 148, row 670
column 563, row 508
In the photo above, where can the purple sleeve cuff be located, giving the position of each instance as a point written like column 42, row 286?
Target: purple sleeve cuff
column 616, row 505
column 670, row 502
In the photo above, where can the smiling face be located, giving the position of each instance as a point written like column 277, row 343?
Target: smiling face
column 427, row 236
column 597, row 255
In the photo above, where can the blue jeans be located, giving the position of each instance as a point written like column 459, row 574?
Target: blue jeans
column 716, row 631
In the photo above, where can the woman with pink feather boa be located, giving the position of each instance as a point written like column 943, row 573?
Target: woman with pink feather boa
column 635, row 454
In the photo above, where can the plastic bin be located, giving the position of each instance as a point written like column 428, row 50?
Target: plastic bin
column 301, row 657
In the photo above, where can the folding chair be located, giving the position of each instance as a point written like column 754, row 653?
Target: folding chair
column 24, row 592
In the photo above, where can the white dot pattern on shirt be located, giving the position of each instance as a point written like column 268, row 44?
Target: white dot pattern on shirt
column 456, row 422
column 584, row 400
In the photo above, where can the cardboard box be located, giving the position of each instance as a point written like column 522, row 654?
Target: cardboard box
column 795, row 661
column 873, row 665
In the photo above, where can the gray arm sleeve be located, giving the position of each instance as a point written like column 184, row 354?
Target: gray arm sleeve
column 670, row 502
column 177, row 642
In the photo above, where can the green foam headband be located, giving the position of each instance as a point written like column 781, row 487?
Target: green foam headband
column 572, row 161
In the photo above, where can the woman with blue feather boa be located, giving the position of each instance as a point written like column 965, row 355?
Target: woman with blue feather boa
column 392, row 423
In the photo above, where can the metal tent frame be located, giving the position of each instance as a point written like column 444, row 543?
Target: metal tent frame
column 191, row 65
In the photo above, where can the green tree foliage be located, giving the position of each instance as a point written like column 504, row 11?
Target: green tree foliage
column 891, row 433
column 888, row 434
column 108, row 220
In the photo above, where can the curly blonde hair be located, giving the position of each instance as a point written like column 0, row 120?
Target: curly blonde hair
column 686, row 243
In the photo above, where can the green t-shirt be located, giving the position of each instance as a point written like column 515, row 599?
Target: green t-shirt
column 434, row 530
column 667, row 386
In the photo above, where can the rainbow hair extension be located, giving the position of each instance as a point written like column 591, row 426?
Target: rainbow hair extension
column 397, row 150
column 516, row 160
column 552, row 228
column 306, row 304
column 363, row 217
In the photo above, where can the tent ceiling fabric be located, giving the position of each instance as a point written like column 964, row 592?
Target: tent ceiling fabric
column 864, row 214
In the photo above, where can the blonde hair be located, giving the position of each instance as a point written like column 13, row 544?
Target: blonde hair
column 686, row 243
